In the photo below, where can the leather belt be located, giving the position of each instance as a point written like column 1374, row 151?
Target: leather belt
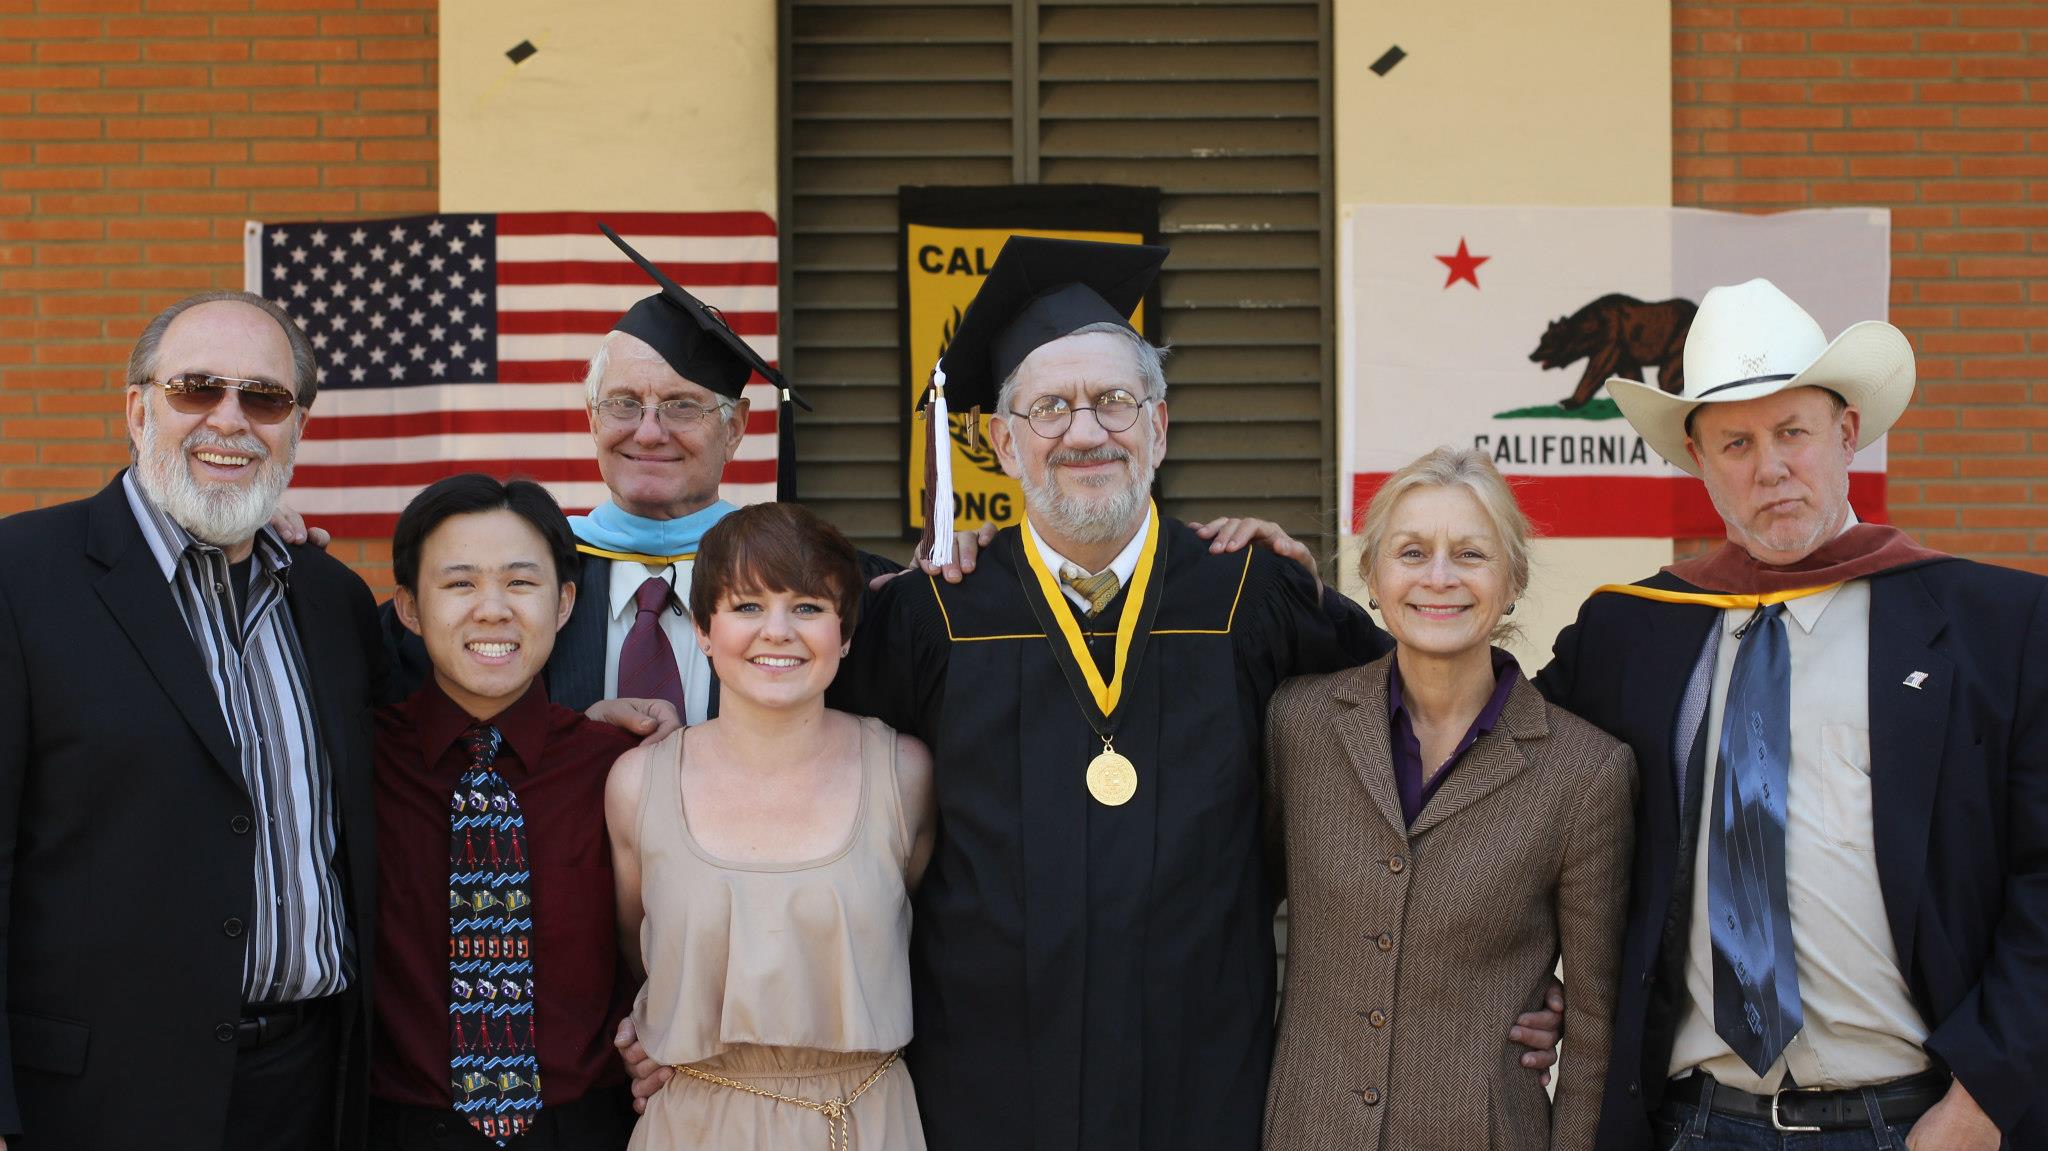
column 1810, row 1109
column 271, row 1022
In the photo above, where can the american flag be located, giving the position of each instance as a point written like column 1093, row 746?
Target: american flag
column 458, row 342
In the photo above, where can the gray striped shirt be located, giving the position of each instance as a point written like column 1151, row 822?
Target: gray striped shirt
column 297, row 930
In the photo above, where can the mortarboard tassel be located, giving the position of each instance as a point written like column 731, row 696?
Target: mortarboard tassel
column 938, row 516
column 785, row 446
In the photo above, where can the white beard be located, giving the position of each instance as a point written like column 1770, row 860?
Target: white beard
column 1099, row 521
column 219, row 514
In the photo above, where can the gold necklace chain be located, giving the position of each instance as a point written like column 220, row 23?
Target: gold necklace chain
column 837, row 1112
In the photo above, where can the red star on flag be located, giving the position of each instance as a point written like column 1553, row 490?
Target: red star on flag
column 1463, row 265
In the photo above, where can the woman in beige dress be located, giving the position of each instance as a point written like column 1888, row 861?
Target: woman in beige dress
column 764, row 861
column 1448, row 836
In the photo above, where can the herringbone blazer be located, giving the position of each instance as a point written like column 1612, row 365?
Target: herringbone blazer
column 1411, row 950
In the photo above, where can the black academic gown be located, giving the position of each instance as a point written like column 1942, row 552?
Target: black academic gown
column 1088, row 976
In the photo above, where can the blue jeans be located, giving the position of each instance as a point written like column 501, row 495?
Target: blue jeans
column 1678, row 1128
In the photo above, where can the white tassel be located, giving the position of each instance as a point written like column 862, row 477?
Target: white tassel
column 942, row 473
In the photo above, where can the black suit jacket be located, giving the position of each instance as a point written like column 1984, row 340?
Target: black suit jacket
column 119, row 862
column 1959, row 793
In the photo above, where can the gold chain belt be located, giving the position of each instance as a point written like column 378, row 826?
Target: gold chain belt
column 837, row 1112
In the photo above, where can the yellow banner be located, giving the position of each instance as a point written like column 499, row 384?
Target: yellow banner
column 943, row 268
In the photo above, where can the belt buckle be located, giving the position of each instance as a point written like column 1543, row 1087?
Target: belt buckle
column 1778, row 1124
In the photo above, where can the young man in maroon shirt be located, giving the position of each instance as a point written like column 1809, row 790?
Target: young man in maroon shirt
column 498, row 984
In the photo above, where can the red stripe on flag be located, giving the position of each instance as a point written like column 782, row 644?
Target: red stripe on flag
column 564, row 372
column 446, row 423
column 542, row 371
column 629, row 224
column 547, row 272
column 598, row 323
column 421, row 473
column 373, row 526
column 547, row 471
column 1617, row 506
column 496, row 422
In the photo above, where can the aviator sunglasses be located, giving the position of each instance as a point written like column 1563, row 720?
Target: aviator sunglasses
column 196, row 393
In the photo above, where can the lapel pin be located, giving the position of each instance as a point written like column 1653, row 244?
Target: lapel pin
column 1915, row 680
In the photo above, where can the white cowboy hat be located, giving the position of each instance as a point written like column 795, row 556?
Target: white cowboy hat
column 1750, row 340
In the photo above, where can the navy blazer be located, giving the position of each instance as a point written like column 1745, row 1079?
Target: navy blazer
column 124, row 856
column 1959, row 794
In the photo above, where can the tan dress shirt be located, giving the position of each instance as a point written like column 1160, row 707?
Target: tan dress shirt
column 1860, row 1023
column 1125, row 565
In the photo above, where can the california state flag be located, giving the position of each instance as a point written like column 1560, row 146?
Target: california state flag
column 1498, row 327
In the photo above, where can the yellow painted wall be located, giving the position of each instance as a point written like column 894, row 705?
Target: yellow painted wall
column 629, row 105
column 1504, row 102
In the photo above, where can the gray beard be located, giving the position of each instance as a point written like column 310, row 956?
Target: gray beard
column 219, row 514
column 1100, row 521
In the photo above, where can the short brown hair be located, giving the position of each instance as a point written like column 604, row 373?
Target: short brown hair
column 776, row 547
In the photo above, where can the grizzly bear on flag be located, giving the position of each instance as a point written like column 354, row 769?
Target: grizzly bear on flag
column 1619, row 335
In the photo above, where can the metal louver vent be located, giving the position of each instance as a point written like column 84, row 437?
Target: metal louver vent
column 1224, row 107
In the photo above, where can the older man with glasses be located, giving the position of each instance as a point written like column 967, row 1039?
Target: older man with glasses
column 1092, row 951
column 667, row 413
column 185, row 806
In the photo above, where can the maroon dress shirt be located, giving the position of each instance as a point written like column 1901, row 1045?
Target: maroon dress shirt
column 1415, row 792
column 556, row 761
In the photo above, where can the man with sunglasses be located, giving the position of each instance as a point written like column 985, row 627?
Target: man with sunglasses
column 185, row 804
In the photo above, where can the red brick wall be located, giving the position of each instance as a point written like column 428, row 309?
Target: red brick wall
column 136, row 136
column 1938, row 111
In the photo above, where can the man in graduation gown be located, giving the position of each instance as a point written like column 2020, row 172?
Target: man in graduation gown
column 1092, row 956
column 667, row 413
column 1840, row 910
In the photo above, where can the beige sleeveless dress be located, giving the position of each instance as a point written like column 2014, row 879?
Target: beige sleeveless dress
column 788, row 979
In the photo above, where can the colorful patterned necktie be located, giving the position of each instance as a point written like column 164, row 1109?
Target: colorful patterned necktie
column 493, row 1068
column 1097, row 589
column 647, row 664
column 1756, row 979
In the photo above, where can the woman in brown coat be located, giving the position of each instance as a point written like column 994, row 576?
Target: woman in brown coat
column 1448, row 836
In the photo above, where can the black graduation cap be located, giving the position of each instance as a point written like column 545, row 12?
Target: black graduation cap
column 1040, row 290
column 691, row 335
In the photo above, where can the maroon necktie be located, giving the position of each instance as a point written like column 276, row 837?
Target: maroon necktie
column 647, row 664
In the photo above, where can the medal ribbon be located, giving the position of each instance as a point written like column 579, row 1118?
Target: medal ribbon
column 634, row 557
column 1098, row 698
column 1713, row 599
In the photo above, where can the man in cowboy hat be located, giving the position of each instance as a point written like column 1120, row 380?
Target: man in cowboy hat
column 1840, row 920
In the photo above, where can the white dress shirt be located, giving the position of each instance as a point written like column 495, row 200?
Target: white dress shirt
column 1860, row 1025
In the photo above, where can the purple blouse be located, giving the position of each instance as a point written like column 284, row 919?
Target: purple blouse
column 1408, row 750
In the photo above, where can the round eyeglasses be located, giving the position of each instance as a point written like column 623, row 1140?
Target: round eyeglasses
column 197, row 393
column 626, row 412
column 1115, row 410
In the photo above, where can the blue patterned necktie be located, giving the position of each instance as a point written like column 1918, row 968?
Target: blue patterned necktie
column 493, row 1068
column 1756, row 981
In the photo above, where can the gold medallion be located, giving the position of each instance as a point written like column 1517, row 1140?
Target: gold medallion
column 1112, row 779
